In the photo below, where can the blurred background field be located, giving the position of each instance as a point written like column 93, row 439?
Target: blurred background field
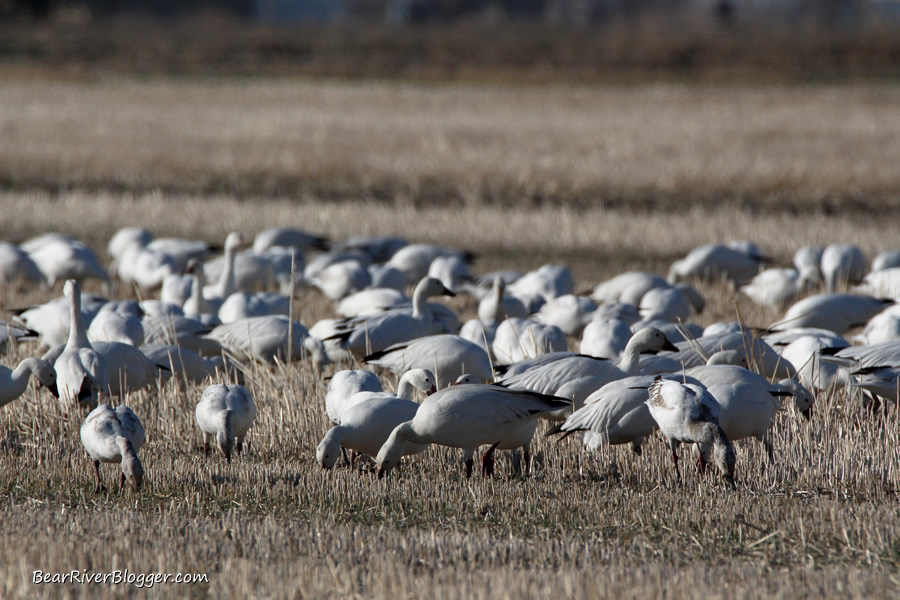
column 605, row 135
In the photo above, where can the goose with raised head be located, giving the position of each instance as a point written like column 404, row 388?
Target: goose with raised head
column 576, row 377
column 225, row 412
column 414, row 379
column 687, row 413
column 374, row 333
column 216, row 293
column 497, row 306
column 114, row 436
column 469, row 416
column 81, row 373
column 447, row 355
column 14, row 382
column 364, row 428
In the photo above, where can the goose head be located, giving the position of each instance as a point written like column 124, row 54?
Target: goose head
column 729, row 357
column 724, row 457
column 46, row 375
column 466, row 378
column 431, row 286
column 71, row 290
column 421, row 379
column 235, row 240
column 803, row 398
column 328, row 450
column 132, row 468
column 392, row 451
column 651, row 340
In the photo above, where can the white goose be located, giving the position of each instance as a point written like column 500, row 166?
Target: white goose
column 605, row 338
column 364, row 428
column 288, row 237
column 81, row 373
column 14, row 382
column 117, row 322
column 469, row 416
column 628, row 287
column 447, row 355
column 114, row 436
column 226, row 285
column 65, row 258
column 181, row 362
column 374, row 333
column 371, row 301
column 414, row 379
column 687, row 413
column 888, row 259
column 569, row 312
column 519, row 339
column 842, row 264
column 715, row 261
column 836, row 312
column 497, row 305
column 576, row 376
column 343, row 385
column 16, row 265
column 226, row 412
column 268, row 338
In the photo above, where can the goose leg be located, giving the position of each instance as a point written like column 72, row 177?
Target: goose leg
column 470, row 464
column 674, row 446
column 206, row 445
column 770, row 450
column 346, row 459
column 121, row 482
column 487, row 461
column 701, row 461
column 352, row 458
column 526, row 458
column 100, row 487
column 636, row 446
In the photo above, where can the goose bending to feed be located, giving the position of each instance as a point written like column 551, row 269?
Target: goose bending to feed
column 835, row 312
column 375, row 333
column 469, row 416
column 577, row 376
column 365, row 427
column 226, row 412
column 81, row 373
column 114, row 436
column 735, row 262
column 14, row 382
column 687, row 413
column 447, row 355
column 343, row 385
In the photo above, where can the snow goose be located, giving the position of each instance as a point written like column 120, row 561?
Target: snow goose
column 182, row 251
column 145, row 267
column 65, row 258
column 469, row 416
column 243, row 305
column 181, row 362
column 885, row 354
column 182, row 331
column 687, row 413
column 386, row 276
column 715, row 261
column 497, row 306
column 777, row 288
column 447, row 355
column 13, row 332
column 628, row 287
column 882, row 284
column 814, row 373
column 14, row 382
column 114, row 436
column 16, row 265
column 518, row 339
column 888, row 259
column 265, row 339
column 749, row 348
column 51, row 319
column 808, row 257
column 343, row 385
column 617, row 413
column 288, row 237
column 378, row 249
column 576, row 377
column 540, row 286
column 415, row 259
column 81, row 373
column 226, row 285
column 198, row 306
column 226, row 412
column 341, row 279
column 836, row 312
column 882, row 383
column 724, row 375
column 451, row 270
column 414, row 379
column 371, row 301
column 374, row 333
column 568, row 312
column 605, row 338
column 250, row 271
column 842, row 264
column 117, row 322
column 365, row 427
column 883, row 327
column 125, row 238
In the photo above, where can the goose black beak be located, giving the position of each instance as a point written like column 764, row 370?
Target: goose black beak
column 807, row 414
column 669, row 346
column 447, row 292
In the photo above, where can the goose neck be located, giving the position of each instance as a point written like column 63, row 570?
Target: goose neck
column 420, row 299
column 77, row 334
column 631, row 357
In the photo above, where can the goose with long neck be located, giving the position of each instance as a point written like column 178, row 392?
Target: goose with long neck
column 197, row 304
column 225, row 412
column 81, row 373
column 374, row 333
column 114, row 436
column 414, row 379
column 227, row 284
column 687, row 413
column 14, row 382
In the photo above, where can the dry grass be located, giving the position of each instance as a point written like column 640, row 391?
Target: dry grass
column 658, row 146
column 822, row 521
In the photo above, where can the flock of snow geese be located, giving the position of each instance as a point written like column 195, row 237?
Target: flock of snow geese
column 641, row 364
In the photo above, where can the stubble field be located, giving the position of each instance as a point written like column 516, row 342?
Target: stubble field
column 602, row 179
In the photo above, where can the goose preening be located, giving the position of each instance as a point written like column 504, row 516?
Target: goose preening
column 687, row 413
column 81, row 373
column 836, row 312
column 14, row 382
column 114, row 436
column 376, row 332
column 365, row 427
column 225, row 412
column 575, row 377
column 447, row 355
column 469, row 416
